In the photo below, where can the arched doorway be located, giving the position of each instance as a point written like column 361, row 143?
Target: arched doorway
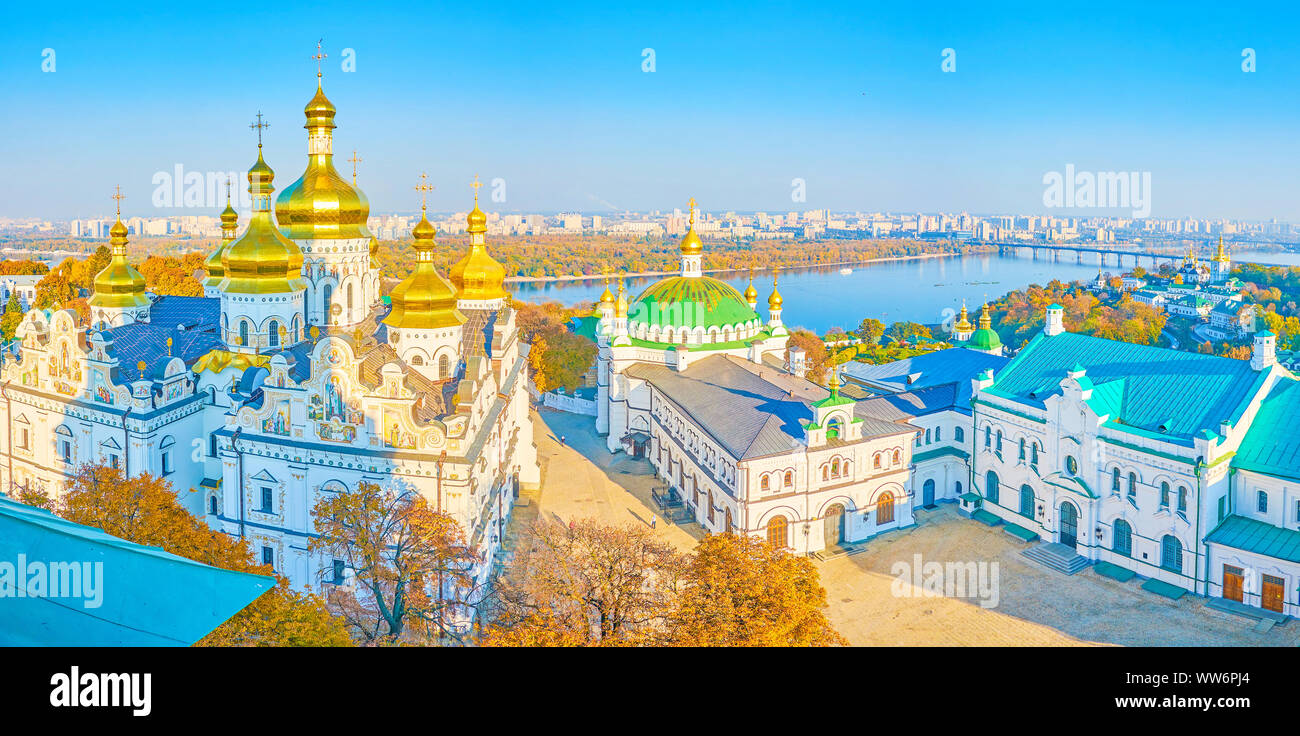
column 776, row 532
column 927, row 494
column 1069, row 524
column 885, row 509
column 834, row 525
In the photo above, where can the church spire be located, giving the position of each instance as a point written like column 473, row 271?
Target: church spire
column 119, row 296
column 692, row 248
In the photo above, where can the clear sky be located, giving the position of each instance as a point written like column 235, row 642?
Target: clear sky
column 744, row 98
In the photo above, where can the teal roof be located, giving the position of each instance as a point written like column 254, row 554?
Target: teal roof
column 1272, row 444
column 1168, row 393
column 146, row 597
column 1259, row 537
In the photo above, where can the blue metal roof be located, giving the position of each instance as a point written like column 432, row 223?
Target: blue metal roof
column 954, row 365
column 145, row 596
column 1257, row 536
column 1272, row 444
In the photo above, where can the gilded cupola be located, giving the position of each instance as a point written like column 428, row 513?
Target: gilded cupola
column 478, row 276
column 119, row 285
column 751, row 294
column 963, row 322
column 424, row 300
column 321, row 204
column 775, row 301
column 691, row 244
column 229, row 225
column 262, row 260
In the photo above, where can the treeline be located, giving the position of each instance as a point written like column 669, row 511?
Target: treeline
column 1019, row 315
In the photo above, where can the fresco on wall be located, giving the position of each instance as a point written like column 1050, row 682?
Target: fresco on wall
column 394, row 435
column 278, row 422
column 99, row 388
column 336, row 418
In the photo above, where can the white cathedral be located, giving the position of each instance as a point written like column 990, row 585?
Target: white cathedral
column 290, row 379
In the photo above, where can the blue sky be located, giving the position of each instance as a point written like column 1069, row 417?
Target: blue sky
column 745, row 97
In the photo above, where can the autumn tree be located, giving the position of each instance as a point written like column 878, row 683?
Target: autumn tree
column 409, row 564
column 144, row 509
column 557, row 357
column 740, row 592
column 586, row 584
column 870, row 331
column 817, row 358
column 13, row 316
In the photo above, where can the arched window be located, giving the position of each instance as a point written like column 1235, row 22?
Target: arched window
column 1071, row 465
column 1133, row 487
column 835, row 468
column 212, row 504
column 999, row 443
column 885, row 508
column 875, row 461
column 988, row 437
column 1182, row 499
column 1033, row 457
column 789, row 479
column 1164, row 495
column 1026, row 502
column 991, row 487
column 1171, row 553
column 1022, row 448
column 898, row 457
column 417, row 360
column 296, row 334
column 727, row 528
column 243, row 332
column 826, row 473
column 927, row 436
column 938, row 434
column 348, row 291
column 959, row 434
column 763, row 483
column 776, row 532
column 1114, row 482
column 710, row 506
column 326, row 300
column 273, row 333
column 444, row 367
column 833, row 428
column 1121, row 542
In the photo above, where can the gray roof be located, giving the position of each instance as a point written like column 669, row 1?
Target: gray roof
column 954, row 365
column 750, row 409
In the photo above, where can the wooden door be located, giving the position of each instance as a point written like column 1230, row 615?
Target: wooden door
column 1271, row 595
column 1233, row 583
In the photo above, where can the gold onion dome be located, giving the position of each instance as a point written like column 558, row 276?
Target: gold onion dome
column 775, row 301
column 321, row 204
column 751, row 294
column 425, row 300
column 229, row 224
column 478, row 276
column 691, row 244
column 119, row 284
column 262, row 260
column 963, row 323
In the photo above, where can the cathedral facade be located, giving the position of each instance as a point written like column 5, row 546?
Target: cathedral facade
column 290, row 379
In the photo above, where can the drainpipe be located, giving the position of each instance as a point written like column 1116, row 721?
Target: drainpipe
column 126, row 445
column 1200, row 466
column 239, row 461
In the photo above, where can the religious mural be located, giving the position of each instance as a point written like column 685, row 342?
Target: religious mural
column 336, row 418
column 278, row 422
column 99, row 388
column 394, row 435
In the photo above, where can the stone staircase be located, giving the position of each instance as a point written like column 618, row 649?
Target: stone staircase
column 1057, row 556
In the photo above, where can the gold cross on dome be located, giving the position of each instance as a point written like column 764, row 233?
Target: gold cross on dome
column 424, row 187
column 259, row 126
column 118, row 196
column 318, row 56
column 691, row 204
column 476, row 184
column 355, row 160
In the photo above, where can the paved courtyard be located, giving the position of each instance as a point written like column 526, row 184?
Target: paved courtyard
column 1035, row 606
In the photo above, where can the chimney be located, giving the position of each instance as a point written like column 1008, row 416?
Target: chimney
column 1265, row 351
column 1055, row 322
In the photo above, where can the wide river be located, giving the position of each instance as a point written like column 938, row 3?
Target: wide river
column 920, row 290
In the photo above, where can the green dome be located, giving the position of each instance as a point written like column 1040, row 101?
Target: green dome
column 984, row 339
column 697, row 301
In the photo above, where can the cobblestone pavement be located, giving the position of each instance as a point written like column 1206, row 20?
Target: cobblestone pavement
column 1034, row 606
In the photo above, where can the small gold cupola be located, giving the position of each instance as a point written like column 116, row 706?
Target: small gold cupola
column 229, row 225
column 775, row 301
column 424, row 300
column 262, row 260
column 119, row 285
column 751, row 294
column 478, row 277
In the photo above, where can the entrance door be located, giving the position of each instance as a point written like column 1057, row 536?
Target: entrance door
column 834, row 525
column 927, row 494
column 1069, row 525
column 1233, row 583
column 1271, row 595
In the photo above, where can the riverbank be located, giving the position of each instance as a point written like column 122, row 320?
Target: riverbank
column 724, row 271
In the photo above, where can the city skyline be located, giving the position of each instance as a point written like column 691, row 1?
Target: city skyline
column 865, row 117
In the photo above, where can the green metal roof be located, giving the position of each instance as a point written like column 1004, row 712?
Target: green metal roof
column 984, row 339
column 1167, row 393
column 1272, row 444
column 684, row 301
column 1259, row 537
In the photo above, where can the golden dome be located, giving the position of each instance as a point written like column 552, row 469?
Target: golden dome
column 691, row 244
column 321, row 204
column 775, row 301
column 425, row 300
column 374, row 246
column 751, row 294
column 963, row 323
column 478, row 276
column 262, row 260
column 229, row 224
column 119, row 284
column 606, row 297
